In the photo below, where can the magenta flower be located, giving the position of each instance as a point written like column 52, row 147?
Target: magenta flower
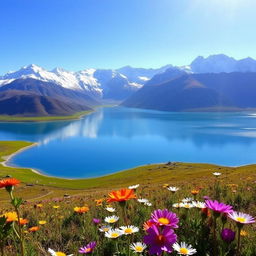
column 228, row 235
column 160, row 241
column 165, row 218
column 218, row 207
column 88, row 248
column 96, row 221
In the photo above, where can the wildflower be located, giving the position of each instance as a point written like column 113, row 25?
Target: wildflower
column 111, row 219
column 165, row 218
column 88, row 248
column 81, row 209
column 9, row 183
column 218, row 207
column 243, row 233
column 104, row 228
column 99, row 201
column 148, row 224
column 138, row 247
column 228, row 235
column 113, row 233
column 11, row 216
column 56, row 207
column 187, row 200
column 194, row 192
column 34, row 229
column 53, row 253
column 176, row 205
column 173, row 189
column 23, row 221
column 42, row 222
column 96, row 221
column 148, row 204
column 216, row 174
column 241, row 218
column 200, row 205
column 134, row 186
column 186, row 205
column 165, row 185
column 160, row 241
column 127, row 230
column 110, row 209
column 142, row 200
column 121, row 195
column 38, row 206
column 184, row 249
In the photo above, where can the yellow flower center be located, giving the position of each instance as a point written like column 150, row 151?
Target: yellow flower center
column 112, row 221
column 139, row 249
column 60, row 254
column 114, row 235
column 163, row 221
column 88, row 250
column 128, row 231
column 184, row 250
column 105, row 229
column 241, row 219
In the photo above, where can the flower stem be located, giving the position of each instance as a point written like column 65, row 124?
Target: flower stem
column 238, row 241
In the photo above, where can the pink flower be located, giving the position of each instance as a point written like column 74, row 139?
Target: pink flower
column 218, row 207
column 165, row 218
column 88, row 248
column 160, row 241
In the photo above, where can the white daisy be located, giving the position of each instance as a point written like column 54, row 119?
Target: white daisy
column 173, row 189
column 114, row 233
column 198, row 204
column 111, row 219
column 142, row 200
column 216, row 174
column 134, row 186
column 110, row 209
column 148, row 204
column 138, row 247
column 187, row 199
column 127, row 230
column 241, row 218
column 104, row 228
column 176, row 205
column 186, row 205
column 53, row 253
column 184, row 249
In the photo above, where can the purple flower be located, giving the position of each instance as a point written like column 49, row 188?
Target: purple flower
column 165, row 218
column 218, row 207
column 96, row 221
column 228, row 235
column 207, row 198
column 88, row 248
column 160, row 241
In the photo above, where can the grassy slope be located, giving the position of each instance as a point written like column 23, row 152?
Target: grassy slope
column 151, row 175
column 7, row 118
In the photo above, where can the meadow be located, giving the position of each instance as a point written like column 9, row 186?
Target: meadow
column 71, row 216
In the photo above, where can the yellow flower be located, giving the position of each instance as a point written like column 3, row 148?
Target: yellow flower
column 56, row 206
column 10, row 216
column 38, row 206
column 165, row 185
column 99, row 201
column 81, row 209
column 42, row 222
column 243, row 233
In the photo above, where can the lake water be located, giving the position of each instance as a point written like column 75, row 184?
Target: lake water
column 113, row 139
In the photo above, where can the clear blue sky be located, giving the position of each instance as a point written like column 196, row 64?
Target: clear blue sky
column 76, row 34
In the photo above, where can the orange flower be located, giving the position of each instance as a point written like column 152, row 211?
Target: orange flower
column 34, row 229
column 81, row 209
column 8, row 182
column 23, row 221
column 194, row 192
column 99, row 202
column 147, row 225
column 121, row 195
column 10, row 216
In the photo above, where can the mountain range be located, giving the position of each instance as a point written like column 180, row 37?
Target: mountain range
column 206, row 82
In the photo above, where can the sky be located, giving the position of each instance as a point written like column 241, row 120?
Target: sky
column 78, row 34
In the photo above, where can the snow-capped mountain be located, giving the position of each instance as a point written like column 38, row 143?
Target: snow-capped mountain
column 94, row 82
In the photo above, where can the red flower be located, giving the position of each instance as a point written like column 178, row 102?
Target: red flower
column 8, row 182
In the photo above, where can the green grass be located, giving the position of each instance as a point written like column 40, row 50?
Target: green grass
column 148, row 175
column 7, row 118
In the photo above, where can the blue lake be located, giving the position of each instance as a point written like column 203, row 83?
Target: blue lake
column 113, row 139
